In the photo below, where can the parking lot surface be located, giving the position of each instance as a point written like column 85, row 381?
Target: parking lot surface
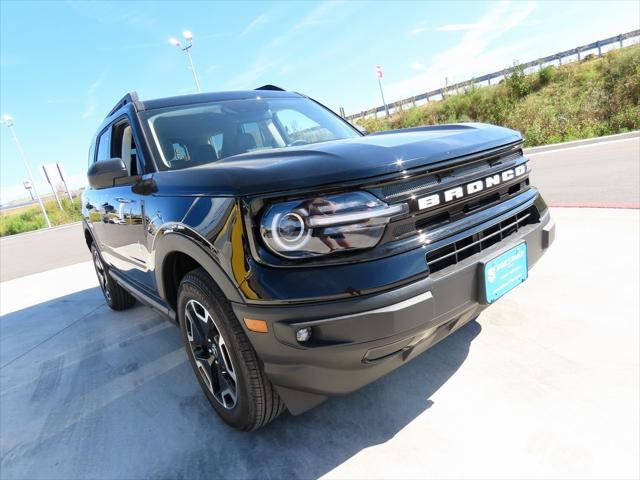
column 544, row 384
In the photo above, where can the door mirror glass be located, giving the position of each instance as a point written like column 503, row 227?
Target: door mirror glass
column 103, row 174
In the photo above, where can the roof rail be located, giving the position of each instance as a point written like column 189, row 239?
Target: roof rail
column 271, row 87
column 131, row 97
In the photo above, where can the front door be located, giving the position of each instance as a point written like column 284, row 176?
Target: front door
column 122, row 232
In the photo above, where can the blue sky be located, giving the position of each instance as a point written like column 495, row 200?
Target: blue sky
column 64, row 64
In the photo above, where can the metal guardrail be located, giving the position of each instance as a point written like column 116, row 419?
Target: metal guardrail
column 452, row 89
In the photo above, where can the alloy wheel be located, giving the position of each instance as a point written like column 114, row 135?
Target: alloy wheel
column 102, row 275
column 211, row 354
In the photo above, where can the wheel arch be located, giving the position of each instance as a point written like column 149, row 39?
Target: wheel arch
column 176, row 255
column 88, row 236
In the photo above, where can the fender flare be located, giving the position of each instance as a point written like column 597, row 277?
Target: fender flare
column 178, row 242
column 86, row 229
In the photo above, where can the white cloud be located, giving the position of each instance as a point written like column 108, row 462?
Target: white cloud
column 417, row 66
column 91, row 95
column 474, row 54
column 95, row 86
column 133, row 46
column 286, row 69
column 255, row 23
column 321, row 14
column 137, row 19
column 89, row 111
column 251, row 77
column 208, row 71
column 271, row 59
column 456, row 27
column 416, row 31
column 110, row 13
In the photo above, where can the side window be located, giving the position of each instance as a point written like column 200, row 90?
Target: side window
column 300, row 128
column 92, row 152
column 180, row 151
column 253, row 129
column 104, row 146
column 216, row 143
column 124, row 146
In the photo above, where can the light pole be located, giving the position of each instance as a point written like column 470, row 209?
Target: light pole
column 188, row 36
column 8, row 121
column 380, row 75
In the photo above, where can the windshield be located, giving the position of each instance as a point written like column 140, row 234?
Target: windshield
column 187, row 136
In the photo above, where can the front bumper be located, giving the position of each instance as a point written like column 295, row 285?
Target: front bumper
column 356, row 341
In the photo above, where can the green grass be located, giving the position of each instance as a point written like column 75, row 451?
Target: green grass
column 31, row 218
column 595, row 97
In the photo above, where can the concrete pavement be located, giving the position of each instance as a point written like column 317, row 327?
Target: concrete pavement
column 544, row 385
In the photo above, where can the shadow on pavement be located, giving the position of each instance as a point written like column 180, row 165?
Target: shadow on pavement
column 111, row 395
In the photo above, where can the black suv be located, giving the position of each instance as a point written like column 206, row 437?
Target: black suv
column 301, row 258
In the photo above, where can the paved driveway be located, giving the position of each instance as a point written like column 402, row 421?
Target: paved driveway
column 544, row 384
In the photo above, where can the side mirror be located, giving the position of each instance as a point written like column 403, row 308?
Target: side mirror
column 362, row 129
column 103, row 173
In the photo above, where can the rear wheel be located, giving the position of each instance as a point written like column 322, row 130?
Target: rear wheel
column 116, row 297
column 222, row 358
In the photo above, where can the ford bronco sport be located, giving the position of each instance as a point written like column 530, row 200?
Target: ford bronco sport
column 299, row 257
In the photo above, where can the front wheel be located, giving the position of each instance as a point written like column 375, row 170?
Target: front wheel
column 221, row 356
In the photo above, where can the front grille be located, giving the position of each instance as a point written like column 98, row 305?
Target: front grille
column 400, row 189
column 394, row 191
column 441, row 177
column 459, row 250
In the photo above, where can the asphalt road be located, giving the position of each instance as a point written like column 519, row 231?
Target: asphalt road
column 603, row 174
column 41, row 250
column 545, row 384
column 598, row 172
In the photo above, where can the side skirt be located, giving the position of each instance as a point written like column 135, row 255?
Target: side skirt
column 149, row 300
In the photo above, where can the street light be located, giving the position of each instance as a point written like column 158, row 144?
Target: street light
column 8, row 121
column 188, row 36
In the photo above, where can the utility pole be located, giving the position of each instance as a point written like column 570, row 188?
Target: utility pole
column 380, row 75
column 8, row 121
column 188, row 36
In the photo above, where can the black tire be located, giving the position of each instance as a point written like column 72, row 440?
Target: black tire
column 255, row 402
column 116, row 297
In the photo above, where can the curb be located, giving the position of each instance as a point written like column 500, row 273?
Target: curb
column 619, row 206
column 586, row 141
column 41, row 230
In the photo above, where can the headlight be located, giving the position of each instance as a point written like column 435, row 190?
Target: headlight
column 321, row 225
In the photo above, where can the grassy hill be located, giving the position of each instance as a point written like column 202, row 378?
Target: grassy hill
column 30, row 218
column 594, row 97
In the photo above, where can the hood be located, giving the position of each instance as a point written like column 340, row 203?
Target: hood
column 361, row 158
